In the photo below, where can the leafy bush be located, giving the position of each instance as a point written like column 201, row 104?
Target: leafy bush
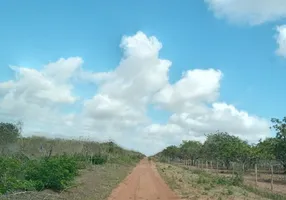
column 222, row 180
column 202, row 180
column 237, row 180
column 30, row 167
column 53, row 173
column 205, row 177
column 11, row 175
column 98, row 159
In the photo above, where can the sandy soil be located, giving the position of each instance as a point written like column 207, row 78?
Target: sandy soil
column 143, row 183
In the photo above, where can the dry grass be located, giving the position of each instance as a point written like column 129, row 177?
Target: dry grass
column 263, row 179
column 94, row 182
column 191, row 185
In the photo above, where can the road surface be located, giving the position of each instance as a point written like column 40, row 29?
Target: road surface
column 144, row 183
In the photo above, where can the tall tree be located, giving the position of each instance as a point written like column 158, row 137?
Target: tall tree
column 190, row 149
column 225, row 148
column 171, row 152
column 9, row 132
column 280, row 143
column 265, row 149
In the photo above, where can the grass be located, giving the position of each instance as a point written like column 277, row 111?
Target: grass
column 264, row 193
column 93, row 183
column 198, row 184
column 63, row 167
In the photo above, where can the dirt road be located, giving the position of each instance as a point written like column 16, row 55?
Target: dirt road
column 144, row 183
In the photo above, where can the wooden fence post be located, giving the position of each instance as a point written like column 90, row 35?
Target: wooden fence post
column 91, row 159
column 232, row 169
column 256, row 175
column 242, row 168
column 271, row 177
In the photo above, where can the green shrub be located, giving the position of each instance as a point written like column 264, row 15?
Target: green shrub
column 30, row 169
column 222, row 180
column 205, row 177
column 9, row 166
column 203, row 180
column 53, row 173
column 11, row 175
column 237, row 180
column 229, row 191
column 98, row 159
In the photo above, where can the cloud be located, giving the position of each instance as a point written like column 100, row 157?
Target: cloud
column 124, row 93
column 194, row 126
column 37, row 96
column 223, row 117
column 47, row 102
column 48, row 86
column 281, row 40
column 111, row 116
column 195, row 87
column 251, row 12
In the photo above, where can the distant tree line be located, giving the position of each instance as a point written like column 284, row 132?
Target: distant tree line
column 223, row 147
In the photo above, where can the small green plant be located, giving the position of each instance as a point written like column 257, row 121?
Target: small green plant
column 237, row 179
column 229, row 191
column 221, row 180
column 98, row 159
column 207, row 187
column 203, row 180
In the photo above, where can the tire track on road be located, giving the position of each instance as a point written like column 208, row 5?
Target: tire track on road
column 143, row 183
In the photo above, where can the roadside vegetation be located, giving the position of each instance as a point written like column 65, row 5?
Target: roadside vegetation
column 38, row 163
column 258, row 167
column 198, row 184
column 227, row 149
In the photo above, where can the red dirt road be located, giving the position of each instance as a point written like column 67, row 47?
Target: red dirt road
column 144, row 183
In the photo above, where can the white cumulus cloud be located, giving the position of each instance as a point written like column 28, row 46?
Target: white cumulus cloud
column 45, row 100
column 251, row 12
column 195, row 87
column 281, row 40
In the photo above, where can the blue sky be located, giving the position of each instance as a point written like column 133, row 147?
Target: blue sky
column 34, row 33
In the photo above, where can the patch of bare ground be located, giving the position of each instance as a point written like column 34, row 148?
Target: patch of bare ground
column 200, row 186
column 95, row 183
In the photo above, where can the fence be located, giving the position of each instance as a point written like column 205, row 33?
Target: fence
column 264, row 175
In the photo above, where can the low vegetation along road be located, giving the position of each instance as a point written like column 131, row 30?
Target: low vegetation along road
column 143, row 183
